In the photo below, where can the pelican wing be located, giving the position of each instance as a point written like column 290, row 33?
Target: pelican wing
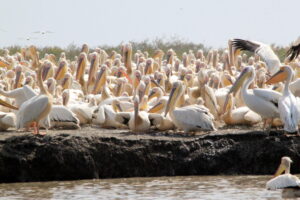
column 20, row 94
column 252, row 117
column 263, row 50
column 283, row 181
column 195, row 116
column 294, row 50
column 123, row 117
column 295, row 87
column 289, row 113
column 31, row 109
column 99, row 115
column 268, row 95
column 155, row 118
column 62, row 114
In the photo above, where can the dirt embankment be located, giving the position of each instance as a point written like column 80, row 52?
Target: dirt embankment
column 94, row 153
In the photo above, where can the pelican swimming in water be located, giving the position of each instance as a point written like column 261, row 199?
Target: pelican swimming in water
column 188, row 118
column 288, row 104
column 288, row 182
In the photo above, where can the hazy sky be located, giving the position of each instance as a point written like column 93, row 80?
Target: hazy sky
column 98, row 22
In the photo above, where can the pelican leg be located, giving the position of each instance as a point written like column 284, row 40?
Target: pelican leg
column 35, row 129
column 264, row 125
column 38, row 130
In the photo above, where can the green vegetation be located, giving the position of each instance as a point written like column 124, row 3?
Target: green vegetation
column 178, row 45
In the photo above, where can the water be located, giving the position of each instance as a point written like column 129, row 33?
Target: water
column 188, row 188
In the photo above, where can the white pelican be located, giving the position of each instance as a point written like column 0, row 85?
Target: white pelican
column 239, row 116
column 105, row 116
column 138, row 120
column 263, row 50
column 28, row 111
column 262, row 101
column 60, row 116
column 288, row 105
column 7, row 120
column 188, row 118
column 161, row 122
column 83, row 111
column 288, row 182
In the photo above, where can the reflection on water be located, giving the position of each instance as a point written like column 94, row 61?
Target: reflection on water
column 188, row 187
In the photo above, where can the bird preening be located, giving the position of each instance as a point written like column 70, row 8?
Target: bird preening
column 130, row 89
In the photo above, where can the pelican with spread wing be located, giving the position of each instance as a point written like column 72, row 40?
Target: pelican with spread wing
column 261, row 49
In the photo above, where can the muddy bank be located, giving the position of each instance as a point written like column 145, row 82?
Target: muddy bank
column 67, row 155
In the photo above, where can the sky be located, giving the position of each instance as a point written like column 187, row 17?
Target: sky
column 110, row 22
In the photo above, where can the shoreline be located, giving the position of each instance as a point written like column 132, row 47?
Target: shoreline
column 92, row 153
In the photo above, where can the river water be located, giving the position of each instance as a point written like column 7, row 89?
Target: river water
column 185, row 187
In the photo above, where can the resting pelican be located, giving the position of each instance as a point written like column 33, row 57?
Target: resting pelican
column 28, row 111
column 239, row 116
column 288, row 182
column 188, row 118
column 138, row 121
column 262, row 101
column 105, row 116
column 288, row 105
column 7, row 120
column 263, row 50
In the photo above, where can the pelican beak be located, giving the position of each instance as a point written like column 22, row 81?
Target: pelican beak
column 137, row 81
column 151, row 95
column 228, row 77
column 61, row 71
column 119, row 107
column 92, row 70
column 280, row 169
column 156, row 108
column 157, row 85
column 64, row 83
column 236, row 86
column 80, row 68
column 45, row 72
column 171, row 100
column 4, row 103
column 281, row 75
column 228, row 103
column 64, row 99
column 4, row 64
column 136, row 112
column 239, row 82
column 18, row 79
column 128, row 78
column 100, row 81
column 141, row 94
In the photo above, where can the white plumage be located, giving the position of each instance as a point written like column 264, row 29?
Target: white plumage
column 261, row 49
column 32, row 108
column 283, row 181
column 192, row 118
column 286, row 180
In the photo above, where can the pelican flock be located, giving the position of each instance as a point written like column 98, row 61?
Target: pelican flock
column 134, row 90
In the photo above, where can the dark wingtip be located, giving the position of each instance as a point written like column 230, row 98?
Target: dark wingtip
column 293, row 52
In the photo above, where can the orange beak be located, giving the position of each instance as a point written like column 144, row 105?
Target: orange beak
column 281, row 75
